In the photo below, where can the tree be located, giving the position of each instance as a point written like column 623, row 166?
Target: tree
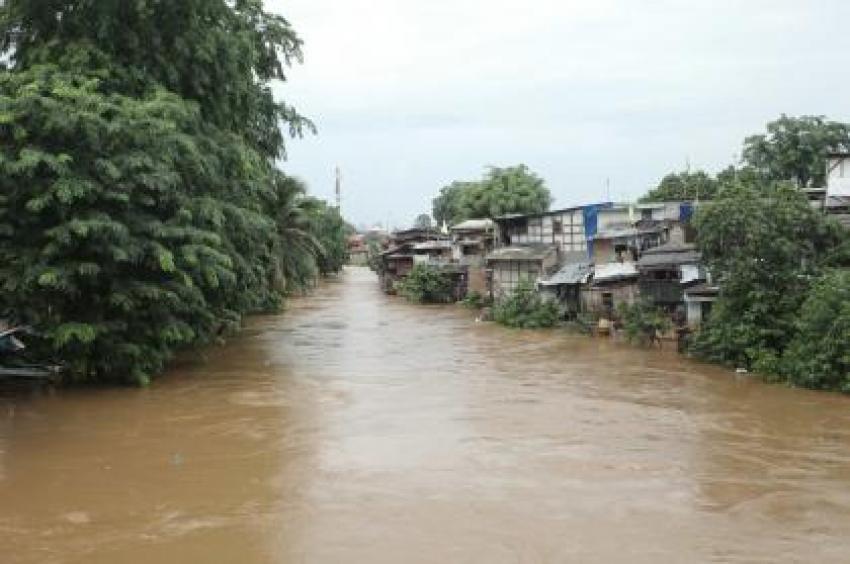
column 683, row 186
column 795, row 148
column 501, row 191
column 762, row 244
column 446, row 206
column 506, row 190
column 221, row 54
column 140, row 210
column 817, row 357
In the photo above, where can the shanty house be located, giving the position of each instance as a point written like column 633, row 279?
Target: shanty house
column 613, row 283
column 513, row 265
column 407, row 248
column 565, row 285
column 472, row 240
column 666, row 271
column 567, row 229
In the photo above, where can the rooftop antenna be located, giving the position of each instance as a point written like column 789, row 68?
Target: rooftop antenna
column 607, row 189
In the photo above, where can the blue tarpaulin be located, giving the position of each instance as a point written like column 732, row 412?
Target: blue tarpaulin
column 686, row 212
column 591, row 223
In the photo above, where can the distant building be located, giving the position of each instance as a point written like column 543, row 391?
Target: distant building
column 472, row 240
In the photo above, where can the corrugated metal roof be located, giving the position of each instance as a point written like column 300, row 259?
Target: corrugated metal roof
column 573, row 273
column 530, row 251
column 474, row 225
column 432, row 245
column 609, row 271
column 669, row 254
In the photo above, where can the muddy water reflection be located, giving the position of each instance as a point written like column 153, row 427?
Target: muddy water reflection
column 360, row 429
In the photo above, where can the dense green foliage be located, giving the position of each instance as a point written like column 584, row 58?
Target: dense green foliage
column 642, row 321
column 501, row 191
column 763, row 244
column 795, row 149
column 141, row 210
column 817, row 356
column 525, row 308
column 221, row 54
column 683, row 186
column 427, row 285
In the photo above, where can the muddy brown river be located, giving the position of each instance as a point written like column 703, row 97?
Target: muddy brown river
column 356, row 428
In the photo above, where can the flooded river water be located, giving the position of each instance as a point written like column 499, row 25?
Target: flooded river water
column 357, row 428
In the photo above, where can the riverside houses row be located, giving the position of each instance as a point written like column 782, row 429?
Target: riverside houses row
column 587, row 258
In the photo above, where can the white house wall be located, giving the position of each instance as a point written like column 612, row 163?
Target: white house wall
column 838, row 181
column 541, row 230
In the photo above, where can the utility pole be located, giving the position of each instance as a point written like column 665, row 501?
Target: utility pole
column 338, row 189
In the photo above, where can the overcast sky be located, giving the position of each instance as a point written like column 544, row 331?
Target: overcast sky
column 409, row 95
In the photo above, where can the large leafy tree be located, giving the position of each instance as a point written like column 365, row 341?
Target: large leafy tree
column 795, row 148
column 141, row 210
column 501, row 191
column 762, row 245
column 446, row 206
column 222, row 54
column 817, row 357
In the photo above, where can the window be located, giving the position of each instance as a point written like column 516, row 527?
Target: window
column 646, row 214
column 608, row 301
column 557, row 226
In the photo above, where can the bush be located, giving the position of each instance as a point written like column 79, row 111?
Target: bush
column 475, row 300
column 642, row 321
column 427, row 285
column 526, row 309
column 818, row 356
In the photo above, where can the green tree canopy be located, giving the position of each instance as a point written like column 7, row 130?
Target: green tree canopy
column 795, row 148
column 817, row 357
column 683, row 186
column 501, row 191
column 221, row 54
column 140, row 210
column 447, row 205
column 762, row 244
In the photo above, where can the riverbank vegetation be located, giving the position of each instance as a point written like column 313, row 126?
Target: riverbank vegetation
column 525, row 308
column 142, row 210
column 643, row 322
column 427, row 285
column 781, row 264
column 775, row 259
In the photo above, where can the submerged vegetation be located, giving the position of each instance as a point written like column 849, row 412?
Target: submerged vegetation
column 525, row 308
column 141, row 209
column 427, row 285
column 643, row 322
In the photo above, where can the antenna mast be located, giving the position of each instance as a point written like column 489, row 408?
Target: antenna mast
column 338, row 188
